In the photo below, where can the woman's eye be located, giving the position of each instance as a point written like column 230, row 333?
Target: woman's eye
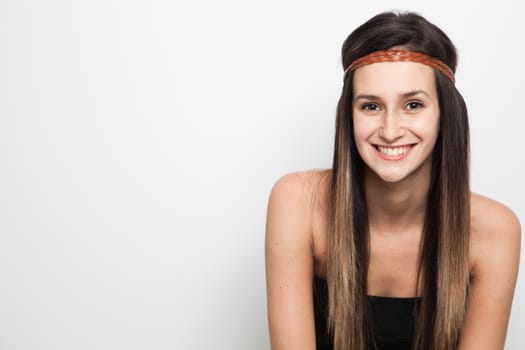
column 414, row 105
column 370, row 107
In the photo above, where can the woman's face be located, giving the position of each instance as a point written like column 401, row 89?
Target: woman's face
column 396, row 118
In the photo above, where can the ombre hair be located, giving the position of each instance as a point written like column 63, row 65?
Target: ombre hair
column 443, row 263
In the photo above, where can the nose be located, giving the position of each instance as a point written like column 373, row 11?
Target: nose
column 391, row 129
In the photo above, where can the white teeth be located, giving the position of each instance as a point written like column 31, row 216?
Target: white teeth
column 393, row 151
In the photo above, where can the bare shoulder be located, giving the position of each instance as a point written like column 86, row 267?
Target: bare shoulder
column 292, row 204
column 495, row 229
column 491, row 219
column 290, row 260
column 301, row 185
column 304, row 190
column 494, row 257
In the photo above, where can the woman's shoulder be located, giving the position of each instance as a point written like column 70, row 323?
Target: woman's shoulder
column 495, row 230
column 290, row 259
column 299, row 200
column 297, row 220
column 302, row 186
column 490, row 217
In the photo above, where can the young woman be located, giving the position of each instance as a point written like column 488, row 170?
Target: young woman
column 389, row 249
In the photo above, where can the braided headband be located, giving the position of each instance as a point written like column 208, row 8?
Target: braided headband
column 401, row 56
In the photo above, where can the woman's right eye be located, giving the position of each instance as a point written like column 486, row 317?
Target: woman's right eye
column 370, row 107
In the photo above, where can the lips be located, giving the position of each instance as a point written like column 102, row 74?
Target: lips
column 393, row 152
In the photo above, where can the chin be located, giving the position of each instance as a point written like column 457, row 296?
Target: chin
column 390, row 176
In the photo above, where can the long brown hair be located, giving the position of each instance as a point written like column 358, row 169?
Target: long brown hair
column 444, row 248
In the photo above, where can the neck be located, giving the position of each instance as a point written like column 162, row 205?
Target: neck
column 397, row 207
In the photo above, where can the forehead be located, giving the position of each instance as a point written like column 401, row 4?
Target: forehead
column 393, row 78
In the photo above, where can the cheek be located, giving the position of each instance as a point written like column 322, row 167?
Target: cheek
column 362, row 129
column 429, row 135
column 362, row 132
column 433, row 129
column 426, row 127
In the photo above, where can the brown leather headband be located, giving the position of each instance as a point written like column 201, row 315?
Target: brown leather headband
column 401, row 56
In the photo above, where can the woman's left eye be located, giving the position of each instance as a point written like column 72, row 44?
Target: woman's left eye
column 413, row 105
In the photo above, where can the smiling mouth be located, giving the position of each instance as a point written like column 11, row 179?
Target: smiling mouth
column 393, row 152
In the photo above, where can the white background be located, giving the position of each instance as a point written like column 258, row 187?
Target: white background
column 139, row 141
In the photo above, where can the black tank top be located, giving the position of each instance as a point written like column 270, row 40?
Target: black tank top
column 393, row 319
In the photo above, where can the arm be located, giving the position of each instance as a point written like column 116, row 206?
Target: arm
column 289, row 265
column 495, row 250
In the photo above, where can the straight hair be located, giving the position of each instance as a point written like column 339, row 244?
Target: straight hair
column 443, row 260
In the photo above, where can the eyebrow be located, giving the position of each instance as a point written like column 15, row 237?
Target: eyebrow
column 404, row 95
